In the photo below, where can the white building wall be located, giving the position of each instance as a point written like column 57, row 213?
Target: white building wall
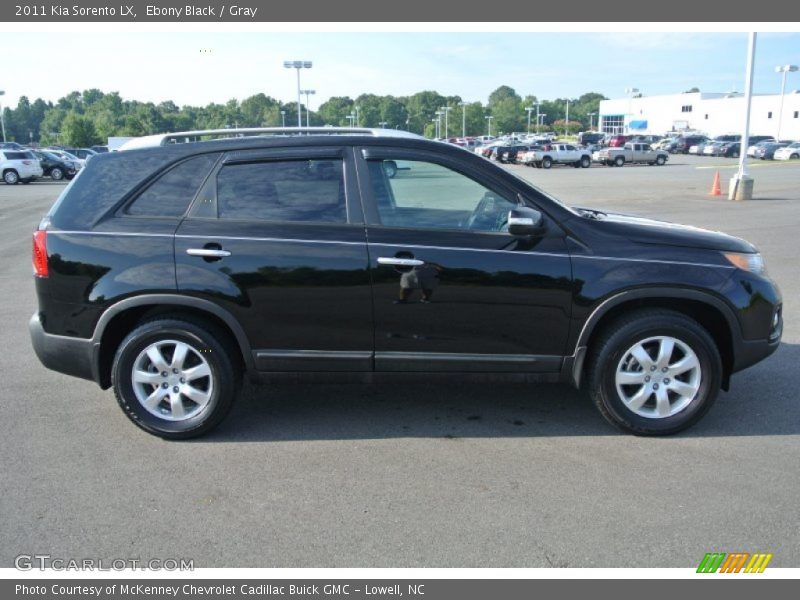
column 712, row 114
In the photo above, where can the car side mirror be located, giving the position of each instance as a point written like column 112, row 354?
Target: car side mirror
column 525, row 221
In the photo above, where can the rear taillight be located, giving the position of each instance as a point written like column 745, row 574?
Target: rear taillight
column 40, row 267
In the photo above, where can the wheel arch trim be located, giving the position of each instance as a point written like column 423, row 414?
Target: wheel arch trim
column 177, row 301
column 658, row 293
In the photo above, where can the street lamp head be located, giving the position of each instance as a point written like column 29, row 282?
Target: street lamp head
column 297, row 64
column 786, row 69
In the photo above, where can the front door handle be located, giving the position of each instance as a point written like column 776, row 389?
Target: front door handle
column 400, row 262
column 208, row 252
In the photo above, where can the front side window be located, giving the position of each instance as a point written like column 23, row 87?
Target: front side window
column 309, row 191
column 427, row 195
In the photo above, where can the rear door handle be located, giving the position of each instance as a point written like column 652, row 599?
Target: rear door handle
column 207, row 252
column 400, row 262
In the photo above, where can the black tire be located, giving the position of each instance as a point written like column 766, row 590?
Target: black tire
column 795, row 156
column 11, row 177
column 619, row 161
column 56, row 174
column 225, row 379
column 661, row 160
column 586, row 162
column 391, row 168
column 734, row 154
column 614, row 341
column 538, row 164
column 577, row 164
column 547, row 162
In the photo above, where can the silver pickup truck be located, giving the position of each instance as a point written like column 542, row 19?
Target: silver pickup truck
column 630, row 153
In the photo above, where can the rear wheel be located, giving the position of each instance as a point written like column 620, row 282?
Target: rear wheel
column 654, row 372
column 11, row 177
column 735, row 154
column 174, row 378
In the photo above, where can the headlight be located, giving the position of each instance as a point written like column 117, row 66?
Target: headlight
column 751, row 262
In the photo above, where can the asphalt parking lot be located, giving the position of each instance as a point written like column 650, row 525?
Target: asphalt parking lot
column 417, row 475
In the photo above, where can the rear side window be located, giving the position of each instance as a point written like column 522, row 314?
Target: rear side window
column 18, row 156
column 310, row 191
column 171, row 193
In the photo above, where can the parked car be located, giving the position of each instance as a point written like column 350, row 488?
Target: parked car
column 631, row 153
column 755, row 146
column 170, row 271
column 19, row 166
column 711, row 148
column 83, row 153
column 683, row 143
column 617, row 141
column 64, row 155
column 728, row 149
column 100, row 149
column 766, row 150
column 11, row 146
column 790, row 152
column 55, row 167
column 553, row 154
column 590, row 137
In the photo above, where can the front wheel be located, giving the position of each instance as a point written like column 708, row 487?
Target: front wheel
column 174, row 377
column 654, row 372
column 735, row 155
column 586, row 162
column 661, row 160
column 547, row 163
column 619, row 161
column 57, row 174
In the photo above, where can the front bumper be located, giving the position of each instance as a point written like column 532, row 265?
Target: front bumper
column 68, row 355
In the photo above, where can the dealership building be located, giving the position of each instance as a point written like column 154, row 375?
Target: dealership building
column 709, row 113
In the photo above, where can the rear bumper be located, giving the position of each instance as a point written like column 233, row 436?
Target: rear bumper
column 68, row 355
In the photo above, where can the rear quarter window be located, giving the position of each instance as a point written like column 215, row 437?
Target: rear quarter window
column 171, row 194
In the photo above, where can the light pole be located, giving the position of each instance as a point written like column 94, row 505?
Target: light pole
column 591, row 120
column 529, row 109
column 463, row 106
column 438, row 114
column 566, row 121
column 538, row 104
column 383, row 124
column 351, row 118
column 541, row 120
column 784, row 70
column 308, row 110
column 283, row 118
column 630, row 92
column 489, row 122
column 446, row 111
column 358, row 117
column 2, row 119
column 298, row 64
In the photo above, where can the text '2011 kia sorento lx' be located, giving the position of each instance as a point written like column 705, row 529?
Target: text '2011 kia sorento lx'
column 170, row 271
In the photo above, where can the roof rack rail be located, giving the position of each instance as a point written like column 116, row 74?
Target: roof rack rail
column 164, row 139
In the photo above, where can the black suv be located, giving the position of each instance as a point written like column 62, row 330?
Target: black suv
column 168, row 272
column 55, row 167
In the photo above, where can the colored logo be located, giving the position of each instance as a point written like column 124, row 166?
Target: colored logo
column 736, row 562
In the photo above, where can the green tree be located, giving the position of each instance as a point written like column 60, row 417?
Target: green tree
column 79, row 131
column 335, row 110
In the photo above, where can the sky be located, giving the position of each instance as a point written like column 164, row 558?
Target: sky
column 197, row 67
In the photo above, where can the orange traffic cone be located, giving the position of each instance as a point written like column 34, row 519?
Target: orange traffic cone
column 715, row 191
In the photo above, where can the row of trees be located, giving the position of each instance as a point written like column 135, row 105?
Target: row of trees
column 92, row 116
